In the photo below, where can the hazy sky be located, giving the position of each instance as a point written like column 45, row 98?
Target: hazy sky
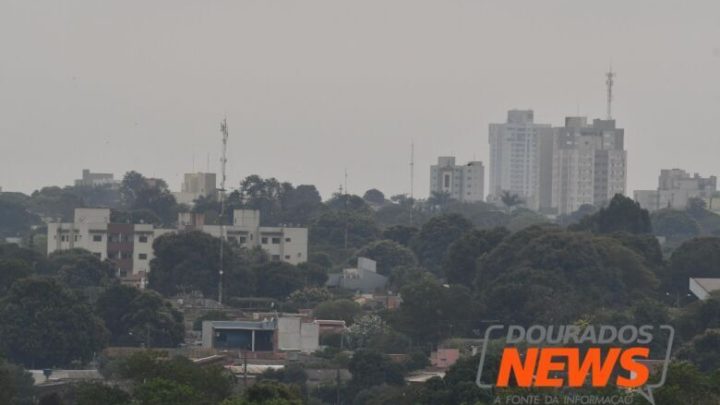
column 312, row 87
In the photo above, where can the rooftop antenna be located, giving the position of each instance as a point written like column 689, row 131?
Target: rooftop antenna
column 610, row 82
column 223, row 163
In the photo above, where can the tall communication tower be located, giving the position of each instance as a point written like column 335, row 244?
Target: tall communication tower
column 610, row 82
column 412, row 169
column 223, row 164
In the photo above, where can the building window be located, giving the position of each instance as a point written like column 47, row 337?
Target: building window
column 446, row 180
column 142, row 256
column 126, row 255
column 232, row 239
column 64, row 238
column 299, row 254
column 288, row 240
column 276, row 241
column 264, row 241
column 243, row 239
column 77, row 238
column 97, row 238
column 287, row 257
column 142, row 239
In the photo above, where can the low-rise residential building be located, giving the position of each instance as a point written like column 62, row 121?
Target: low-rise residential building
column 675, row 188
column 90, row 179
column 460, row 182
column 129, row 246
column 363, row 279
column 277, row 334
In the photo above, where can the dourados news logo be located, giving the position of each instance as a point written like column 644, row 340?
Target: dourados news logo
column 570, row 356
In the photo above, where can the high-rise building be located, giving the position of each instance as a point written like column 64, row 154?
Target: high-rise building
column 520, row 159
column 675, row 188
column 462, row 182
column 589, row 164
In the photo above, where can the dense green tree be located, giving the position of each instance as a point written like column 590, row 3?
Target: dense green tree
column 278, row 279
column 388, row 255
column 674, row 224
column 463, row 253
column 16, row 385
column 348, row 203
column 301, row 204
column 342, row 309
column 79, row 269
column 431, row 311
column 189, row 261
column 621, row 215
column 699, row 316
column 136, row 317
column 686, row 385
column 703, row 351
column 578, row 215
column 549, row 275
column 140, row 193
column 15, row 218
column 698, row 257
column 370, row 368
column 404, row 275
column 99, row 393
column 432, row 242
column 522, row 218
column 374, row 196
column 309, row 297
column 208, row 385
column 401, row 234
column 161, row 391
column 12, row 270
column 45, row 325
column 334, row 227
column 56, row 203
column 268, row 393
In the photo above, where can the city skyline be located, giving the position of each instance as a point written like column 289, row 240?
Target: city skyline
column 304, row 106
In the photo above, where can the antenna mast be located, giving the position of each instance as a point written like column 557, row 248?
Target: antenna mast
column 223, row 163
column 610, row 82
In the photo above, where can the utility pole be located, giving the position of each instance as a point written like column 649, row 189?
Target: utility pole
column 412, row 180
column 223, row 164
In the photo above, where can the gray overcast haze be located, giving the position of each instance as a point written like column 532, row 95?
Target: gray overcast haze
column 313, row 87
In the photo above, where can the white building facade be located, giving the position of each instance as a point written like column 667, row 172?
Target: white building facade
column 518, row 149
column 462, row 182
column 675, row 188
column 129, row 246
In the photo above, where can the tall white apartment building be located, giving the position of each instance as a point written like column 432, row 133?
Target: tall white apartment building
column 129, row 246
column 196, row 185
column 675, row 188
column 589, row 164
column 520, row 159
column 462, row 182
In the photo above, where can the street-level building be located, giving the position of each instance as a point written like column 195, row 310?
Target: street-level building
column 461, row 182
